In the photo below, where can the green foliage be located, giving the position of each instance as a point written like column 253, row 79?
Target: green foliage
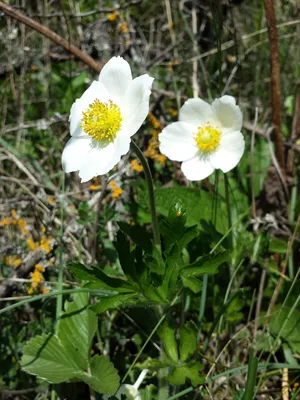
column 65, row 356
column 285, row 323
column 167, row 335
column 191, row 371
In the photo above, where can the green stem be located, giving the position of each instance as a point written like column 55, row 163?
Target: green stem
column 60, row 265
column 149, row 180
column 228, row 207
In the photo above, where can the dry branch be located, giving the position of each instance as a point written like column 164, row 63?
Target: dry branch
column 88, row 60
column 275, row 80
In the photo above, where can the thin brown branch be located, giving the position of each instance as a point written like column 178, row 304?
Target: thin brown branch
column 275, row 80
column 295, row 131
column 88, row 60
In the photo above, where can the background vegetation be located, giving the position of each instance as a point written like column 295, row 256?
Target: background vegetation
column 48, row 220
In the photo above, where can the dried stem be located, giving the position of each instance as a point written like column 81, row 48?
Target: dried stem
column 50, row 35
column 275, row 80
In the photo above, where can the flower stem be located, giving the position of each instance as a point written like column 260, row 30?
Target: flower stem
column 149, row 180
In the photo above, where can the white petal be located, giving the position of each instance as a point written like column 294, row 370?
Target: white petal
column 232, row 140
column 228, row 155
column 197, row 169
column 228, row 114
column 177, row 141
column 196, row 112
column 74, row 153
column 135, row 105
column 116, row 77
column 100, row 161
column 95, row 91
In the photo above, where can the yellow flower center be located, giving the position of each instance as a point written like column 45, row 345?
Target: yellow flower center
column 102, row 121
column 208, row 138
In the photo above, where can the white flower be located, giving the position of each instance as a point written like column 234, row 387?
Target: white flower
column 205, row 138
column 105, row 117
column 130, row 391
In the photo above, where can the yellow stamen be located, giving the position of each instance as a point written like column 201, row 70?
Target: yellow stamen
column 102, row 121
column 208, row 138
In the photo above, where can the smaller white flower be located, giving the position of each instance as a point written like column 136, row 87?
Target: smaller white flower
column 130, row 391
column 105, row 117
column 205, row 138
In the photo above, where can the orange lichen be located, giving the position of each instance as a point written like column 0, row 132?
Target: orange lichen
column 13, row 261
column 154, row 121
column 123, row 27
column 136, row 166
column 94, row 187
column 116, row 191
column 37, row 279
column 32, row 244
column 113, row 16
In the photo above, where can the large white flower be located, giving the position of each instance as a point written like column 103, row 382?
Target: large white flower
column 205, row 138
column 105, row 117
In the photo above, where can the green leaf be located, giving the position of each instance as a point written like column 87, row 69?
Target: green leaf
column 100, row 279
column 66, row 356
column 122, row 246
column 76, row 329
column 277, row 246
column 155, row 262
column 208, row 264
column 179, row 375
column 188, row 340
column 287, row 324
column 251, row 377
column 111, row 302
column 138, row 235
column 192, row 283
column 167, row 335
column 103, row 377
column 46, row 357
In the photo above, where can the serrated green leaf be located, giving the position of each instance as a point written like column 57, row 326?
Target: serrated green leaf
column 196, row 202
column 179, row 375
column 99, row 279
column 138, row 235
column 192, row 283
column 167, row 335
column 103, row 376
column 208, row 264
column 188, row 340
column 46, row 357
column 76, row 328
column 155, row 262
column 115, row 301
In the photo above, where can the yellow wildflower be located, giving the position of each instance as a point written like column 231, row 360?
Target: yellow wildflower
column 13, row 261
column 30, row 290
column 113, row 16
column 136, row 166
column 123, row 28
column 127, row 42
column 44, row 290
